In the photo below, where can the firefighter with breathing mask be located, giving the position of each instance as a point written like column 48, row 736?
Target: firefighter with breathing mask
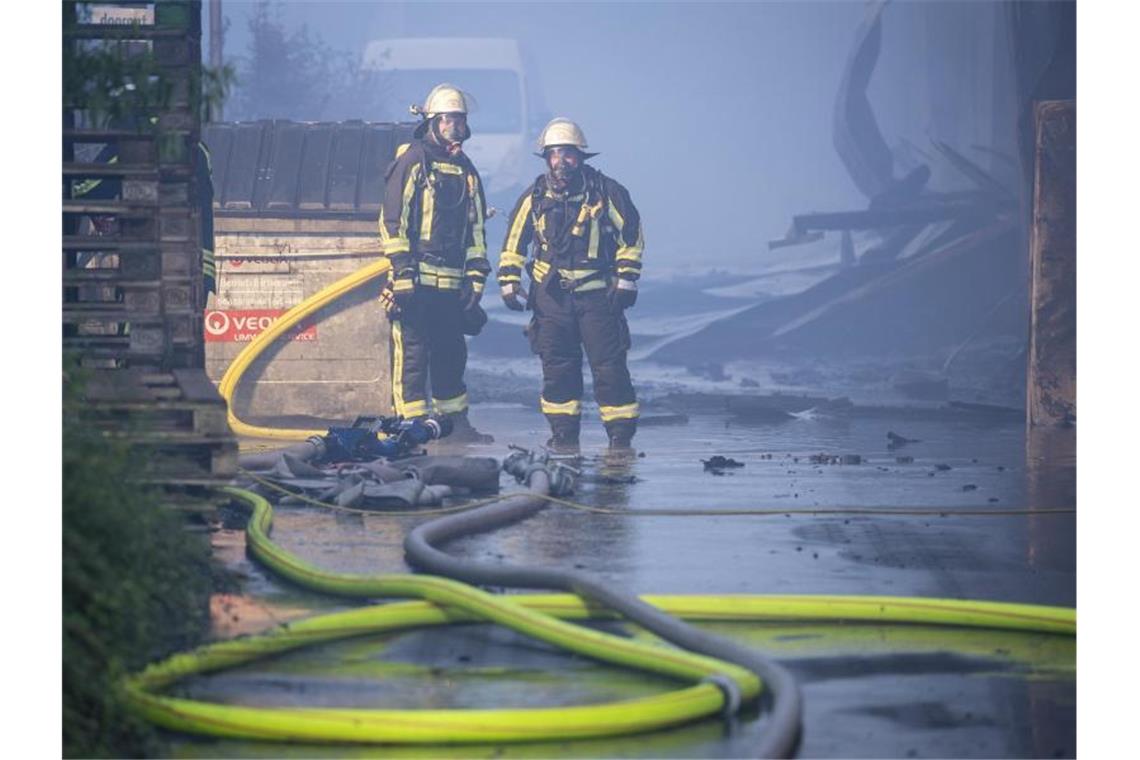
column 585, row 239
column 432, row 231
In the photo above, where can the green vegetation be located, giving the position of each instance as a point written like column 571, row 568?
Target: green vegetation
column 294, row 74
column 136, row 586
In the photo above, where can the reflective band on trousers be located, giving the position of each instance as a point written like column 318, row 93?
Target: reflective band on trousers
column 401, row 407
column 450, row 405
column 624, row 412
column 567, row 407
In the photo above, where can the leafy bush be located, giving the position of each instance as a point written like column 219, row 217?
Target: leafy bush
column 136, row 586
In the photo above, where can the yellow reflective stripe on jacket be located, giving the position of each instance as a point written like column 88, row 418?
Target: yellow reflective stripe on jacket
column 570, row 198
column 595, row 236
column 632, row 252
column 444, row 278
column 399, row 243
column 450, row 405
column 518, row 224
column 568, row 407
column 541, row 269
column 427, row 214
column 439, row 282
column 624, row 412
column 447, row 168
column 511, row 259
column 478, row 245
column 596, row 283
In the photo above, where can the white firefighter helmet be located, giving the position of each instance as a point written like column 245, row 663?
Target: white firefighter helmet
column 563, row 131
column 443, row 98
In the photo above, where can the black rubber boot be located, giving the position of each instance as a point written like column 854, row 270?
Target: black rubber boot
column 462, row 431
column 621, row 433
column 564, row 430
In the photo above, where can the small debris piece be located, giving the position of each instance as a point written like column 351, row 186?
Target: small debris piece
column 896, row 441
column 969, row 487
column 942, row 467
column 718, row 462
column 993, row 500
column 823, row 458
column 905, row 460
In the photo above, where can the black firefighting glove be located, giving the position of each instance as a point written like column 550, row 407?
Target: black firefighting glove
column 623, row 293
column 397, row 294
column 512, row 295
column 470, row 292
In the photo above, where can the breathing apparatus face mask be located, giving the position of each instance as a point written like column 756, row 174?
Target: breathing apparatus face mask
column 450, row 129
column 564, row 163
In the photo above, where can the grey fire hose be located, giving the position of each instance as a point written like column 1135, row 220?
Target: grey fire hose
column 785, row 700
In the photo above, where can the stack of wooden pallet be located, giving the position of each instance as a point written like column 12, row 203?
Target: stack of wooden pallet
column 175, row 421
column 132, row 282
column 132, row 269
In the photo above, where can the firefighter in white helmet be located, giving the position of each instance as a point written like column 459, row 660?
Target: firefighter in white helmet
column 432, row 231
column 578, row 236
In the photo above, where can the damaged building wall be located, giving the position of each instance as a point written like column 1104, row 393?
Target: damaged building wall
column 1052, row 388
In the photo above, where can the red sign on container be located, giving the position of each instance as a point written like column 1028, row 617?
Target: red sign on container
column 241, row 326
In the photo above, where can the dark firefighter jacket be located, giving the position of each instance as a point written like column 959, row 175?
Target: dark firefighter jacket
column 431, row 221
column 586, row 233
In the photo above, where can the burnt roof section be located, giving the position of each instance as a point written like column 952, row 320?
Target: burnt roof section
column 301, row 169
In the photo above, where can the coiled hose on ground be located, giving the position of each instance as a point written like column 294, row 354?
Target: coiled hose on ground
column 786, row 701
column 724, row 678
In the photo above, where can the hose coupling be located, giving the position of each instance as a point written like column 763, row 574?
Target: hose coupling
column 561, row 478
column 730, row 690
column 320, row 446
column 522, row 463
column 518, row 463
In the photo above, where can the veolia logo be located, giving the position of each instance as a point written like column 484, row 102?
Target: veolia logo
column 243, row 325
column 217, row 322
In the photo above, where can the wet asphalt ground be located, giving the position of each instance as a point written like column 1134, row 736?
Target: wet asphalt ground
column 869, row 691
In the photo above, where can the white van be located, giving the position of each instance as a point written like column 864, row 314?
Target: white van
column 507, row 113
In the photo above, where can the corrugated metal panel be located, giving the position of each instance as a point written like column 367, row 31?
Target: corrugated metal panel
column 285, row 163
column 302, row 169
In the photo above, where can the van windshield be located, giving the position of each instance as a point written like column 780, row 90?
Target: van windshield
column 497, row 101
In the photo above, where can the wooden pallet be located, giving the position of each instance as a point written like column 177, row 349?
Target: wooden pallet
column 175, row 422
column 132, row 279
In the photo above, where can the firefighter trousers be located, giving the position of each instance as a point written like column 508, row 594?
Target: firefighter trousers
column 564, row 322
column 427, row 342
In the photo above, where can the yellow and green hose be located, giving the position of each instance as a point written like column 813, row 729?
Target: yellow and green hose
column 544, row 616
column 540, row 615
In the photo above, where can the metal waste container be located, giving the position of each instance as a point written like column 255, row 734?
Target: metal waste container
column 295, row 209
